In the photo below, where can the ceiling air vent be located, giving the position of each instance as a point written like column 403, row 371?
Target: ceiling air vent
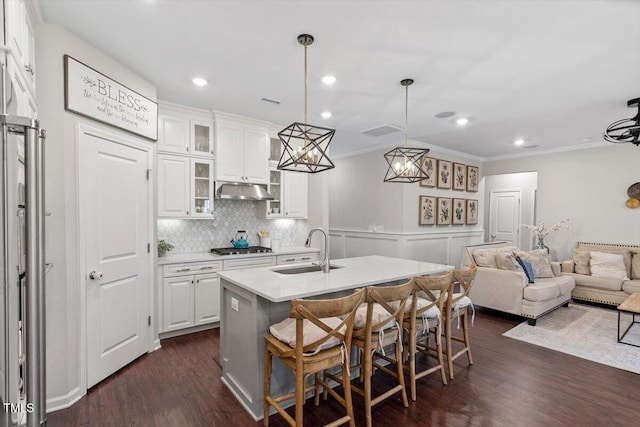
column 381, row 130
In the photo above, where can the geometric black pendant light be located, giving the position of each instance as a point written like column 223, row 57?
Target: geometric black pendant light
column 304, row 146
column 406, row 164
column 625, row 130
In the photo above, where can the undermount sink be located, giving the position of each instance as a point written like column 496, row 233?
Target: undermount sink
column 305, row 269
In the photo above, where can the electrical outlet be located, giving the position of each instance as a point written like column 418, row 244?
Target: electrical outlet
column 372, row 228
column 234, row 304
column 379, row 228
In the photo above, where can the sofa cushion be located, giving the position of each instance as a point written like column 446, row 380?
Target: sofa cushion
column 597, row 282
column 507, row 261
column 487, row 257
column 540, row 261
column 565, row 283
column 635, row 266
column 581, row 262
column 541, row 291
column 631, row 286
column 605, row 264
column 612, row 249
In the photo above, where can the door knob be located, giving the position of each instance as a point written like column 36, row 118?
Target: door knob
column 95, row 275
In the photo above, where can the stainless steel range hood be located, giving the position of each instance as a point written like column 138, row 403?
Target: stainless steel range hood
column 241, row 191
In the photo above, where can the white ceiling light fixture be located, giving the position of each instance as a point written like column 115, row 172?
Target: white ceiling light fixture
column 329, row 80
column 462, row 121
column 304, row 146
column 518, row 142
column 406, row 164
column 326, row 114
column 199, row 81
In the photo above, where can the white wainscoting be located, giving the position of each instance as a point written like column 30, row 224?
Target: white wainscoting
column 442, row 247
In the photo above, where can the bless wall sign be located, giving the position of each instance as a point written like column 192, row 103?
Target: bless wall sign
column 94, row 95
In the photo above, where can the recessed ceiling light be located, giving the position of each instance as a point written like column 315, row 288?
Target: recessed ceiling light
column 325, row 114
column 329, row 80
column 199, row 81
column 462, row 121
column 445, row 114
column 518, row 141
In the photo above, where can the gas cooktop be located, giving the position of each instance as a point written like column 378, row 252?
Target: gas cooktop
column 241, row 251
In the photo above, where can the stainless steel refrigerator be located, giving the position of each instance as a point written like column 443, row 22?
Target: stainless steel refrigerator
column 22, row 266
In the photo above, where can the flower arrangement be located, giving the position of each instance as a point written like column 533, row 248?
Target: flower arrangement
column 541, row 231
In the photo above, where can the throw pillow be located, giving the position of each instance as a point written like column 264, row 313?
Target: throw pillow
column 507, row 261
column 604, row 264
column 540, row 262
column 581, row 260
column 635, row 266
column 285, row 331
column 485, row 258
column 528, row 269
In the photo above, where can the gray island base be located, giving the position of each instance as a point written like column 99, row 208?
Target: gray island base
column 253, row 299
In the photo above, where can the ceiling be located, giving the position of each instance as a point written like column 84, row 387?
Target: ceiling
column 554, row 73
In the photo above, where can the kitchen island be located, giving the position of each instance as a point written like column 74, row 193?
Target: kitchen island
column 253, row 299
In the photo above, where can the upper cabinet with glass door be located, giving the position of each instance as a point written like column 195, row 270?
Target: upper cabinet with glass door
column 185, row 130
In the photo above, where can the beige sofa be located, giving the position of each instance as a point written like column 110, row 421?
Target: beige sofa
column 511, row 292
column 605, row 290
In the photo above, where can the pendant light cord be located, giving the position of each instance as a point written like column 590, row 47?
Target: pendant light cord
column 406, row 114
column 305, row 84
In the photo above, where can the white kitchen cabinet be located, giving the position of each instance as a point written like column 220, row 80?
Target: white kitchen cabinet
column 173, row 134
column 242, row 152
column 20, row 39
column 248, row 262
column 290, row 194
column 185, row 131
column 191, row 295
column 185, row 187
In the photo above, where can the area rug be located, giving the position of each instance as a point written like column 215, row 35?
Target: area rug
column 587, row 332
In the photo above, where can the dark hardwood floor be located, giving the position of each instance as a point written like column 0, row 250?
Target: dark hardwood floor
column 510, row 384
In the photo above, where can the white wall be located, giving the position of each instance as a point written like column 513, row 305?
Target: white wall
column 63, row 283
column 526, row 182
column 358, row 199
column 590, row 187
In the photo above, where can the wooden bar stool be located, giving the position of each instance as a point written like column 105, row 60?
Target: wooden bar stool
column 459, row 305
column 424, row 317
column 377, row 325
column 321, row 339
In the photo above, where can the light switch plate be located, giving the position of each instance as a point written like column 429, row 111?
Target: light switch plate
column 234, row 304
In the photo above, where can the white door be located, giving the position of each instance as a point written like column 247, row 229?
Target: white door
column 114, row 199
column 504, row 216
column 206, row 292
column 173, row 135
column 173, row 185
column 256, row 156
column 178, row 302
column 229, row 153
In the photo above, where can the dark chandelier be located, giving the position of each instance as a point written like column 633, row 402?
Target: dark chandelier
column 406, row 164
column 625, row 130
column 304, row 145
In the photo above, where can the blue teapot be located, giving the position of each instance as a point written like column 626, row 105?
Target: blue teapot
column 240, row 240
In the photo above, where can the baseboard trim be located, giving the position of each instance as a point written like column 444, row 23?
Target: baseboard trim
column 190, row 330
column 65, row 401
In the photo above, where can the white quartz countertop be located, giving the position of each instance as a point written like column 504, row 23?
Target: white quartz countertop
column 208, row 256
column 356, row 272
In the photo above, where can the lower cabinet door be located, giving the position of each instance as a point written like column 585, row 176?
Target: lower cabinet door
column 178, row 302
column 207, row 298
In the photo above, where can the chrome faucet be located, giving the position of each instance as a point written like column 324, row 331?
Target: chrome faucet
column 324, row 263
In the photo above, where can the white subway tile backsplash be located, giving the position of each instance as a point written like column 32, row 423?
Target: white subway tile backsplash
column 191, row 235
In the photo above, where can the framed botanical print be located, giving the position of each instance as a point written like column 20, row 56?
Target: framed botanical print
column 444, row 174
column 429, row 165
column 444, row 211
column 459, row 176
column 427, row 210
column 472, row 211
column 459, row 211
column 472, row 178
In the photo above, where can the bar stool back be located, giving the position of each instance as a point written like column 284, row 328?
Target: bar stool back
column 323, row 334
column 459, row 306
column 429, row 301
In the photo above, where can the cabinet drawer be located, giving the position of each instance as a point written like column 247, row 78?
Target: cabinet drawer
column 172, row 270
column 297, row 258
column 236, row 264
